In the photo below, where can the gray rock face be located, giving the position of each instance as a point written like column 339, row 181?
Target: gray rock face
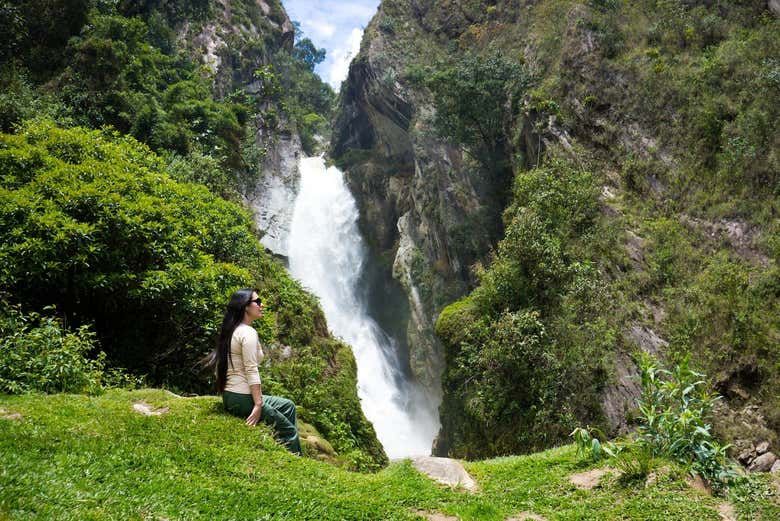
column 445, row 470
column 775, row 467
column 424, row 204
column 774, row 6
column 763, row 463
column 273, row 199
column 216, row 42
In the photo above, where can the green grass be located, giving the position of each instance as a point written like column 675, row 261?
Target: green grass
column 81, row 457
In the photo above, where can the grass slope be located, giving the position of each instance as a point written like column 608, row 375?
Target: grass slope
column 81, row 457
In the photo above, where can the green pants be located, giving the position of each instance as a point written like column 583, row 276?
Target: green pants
column 277, row 412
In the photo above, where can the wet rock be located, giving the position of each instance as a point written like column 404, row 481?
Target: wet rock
column 763, row 463
column 446, row 471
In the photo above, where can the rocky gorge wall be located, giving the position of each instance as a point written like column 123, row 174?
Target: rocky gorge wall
column 604, row 98
column 428, row 210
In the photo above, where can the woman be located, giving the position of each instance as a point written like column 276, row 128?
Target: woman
column 237, row 358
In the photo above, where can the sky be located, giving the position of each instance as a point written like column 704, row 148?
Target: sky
column 335, row 25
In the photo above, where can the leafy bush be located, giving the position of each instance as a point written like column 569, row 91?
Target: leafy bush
column 589, row 445
column 475, row 100
column 672, row 415
column 674, row 409
column 93, row 224
column 532, row 328
column 37, row 353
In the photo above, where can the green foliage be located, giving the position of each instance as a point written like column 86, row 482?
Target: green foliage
column 20, row 101
column 37, row 353
column 305, row 51
column 93, row 224
column 673, row 413
column 513, row 351
column 635, row 461
column 475, row 99
column 321, row 379
column 117, row 78
column 306, row 99
column 674, row 410
column 588, row 444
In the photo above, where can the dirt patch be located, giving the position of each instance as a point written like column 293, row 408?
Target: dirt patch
column 149, row 410
column 698, row 483
column 727, row 512
column 590, row 479
column 527, row 516
column 9, row 415
column 435, row 516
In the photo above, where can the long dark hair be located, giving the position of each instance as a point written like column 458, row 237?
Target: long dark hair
column 234, row 314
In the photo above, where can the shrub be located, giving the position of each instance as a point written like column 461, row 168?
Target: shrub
column 92, row 224
column 517, row 344
column 674, row 410
column 673, row 413
column 475, row 99
column 37, row 353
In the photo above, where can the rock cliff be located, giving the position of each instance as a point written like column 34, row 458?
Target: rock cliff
column 613, row 93
column 427, row 208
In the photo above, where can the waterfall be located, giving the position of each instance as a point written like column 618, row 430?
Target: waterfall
column 327, row 253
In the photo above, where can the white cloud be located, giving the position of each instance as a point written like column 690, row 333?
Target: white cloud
column 336, row 26
column 318, row 29
column 342, row 57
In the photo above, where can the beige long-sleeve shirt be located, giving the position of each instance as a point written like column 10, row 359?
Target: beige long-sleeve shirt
column 245, row 355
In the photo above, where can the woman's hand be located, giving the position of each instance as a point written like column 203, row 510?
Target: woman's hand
column 254, row 416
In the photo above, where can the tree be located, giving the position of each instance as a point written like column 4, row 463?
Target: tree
column 307, row 52
column 475, row 100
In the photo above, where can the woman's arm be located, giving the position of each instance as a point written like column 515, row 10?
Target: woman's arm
column 257, row 410
column 250, row 355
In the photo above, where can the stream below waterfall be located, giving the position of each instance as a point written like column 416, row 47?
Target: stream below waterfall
column 327, row 255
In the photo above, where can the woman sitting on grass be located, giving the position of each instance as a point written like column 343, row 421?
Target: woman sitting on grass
column 236, row 358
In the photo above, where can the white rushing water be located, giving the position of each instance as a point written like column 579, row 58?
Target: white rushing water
column 326, row 253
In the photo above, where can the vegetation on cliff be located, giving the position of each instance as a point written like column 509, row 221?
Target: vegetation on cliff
column 664, row 116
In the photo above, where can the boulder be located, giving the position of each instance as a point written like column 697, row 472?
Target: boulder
column 774, row 6
column 762, row 447
column 763, row 463
column 445, row 470
column 775, row 468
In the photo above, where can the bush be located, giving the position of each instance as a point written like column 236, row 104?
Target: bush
column 92, row 223
column 516, row 346
column 673, row 423
column 475, row 100
column 37, row 353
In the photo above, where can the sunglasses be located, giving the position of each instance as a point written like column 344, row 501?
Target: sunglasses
column 256, row 301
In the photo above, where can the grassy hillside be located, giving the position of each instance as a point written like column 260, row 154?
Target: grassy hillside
column 79, row 457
